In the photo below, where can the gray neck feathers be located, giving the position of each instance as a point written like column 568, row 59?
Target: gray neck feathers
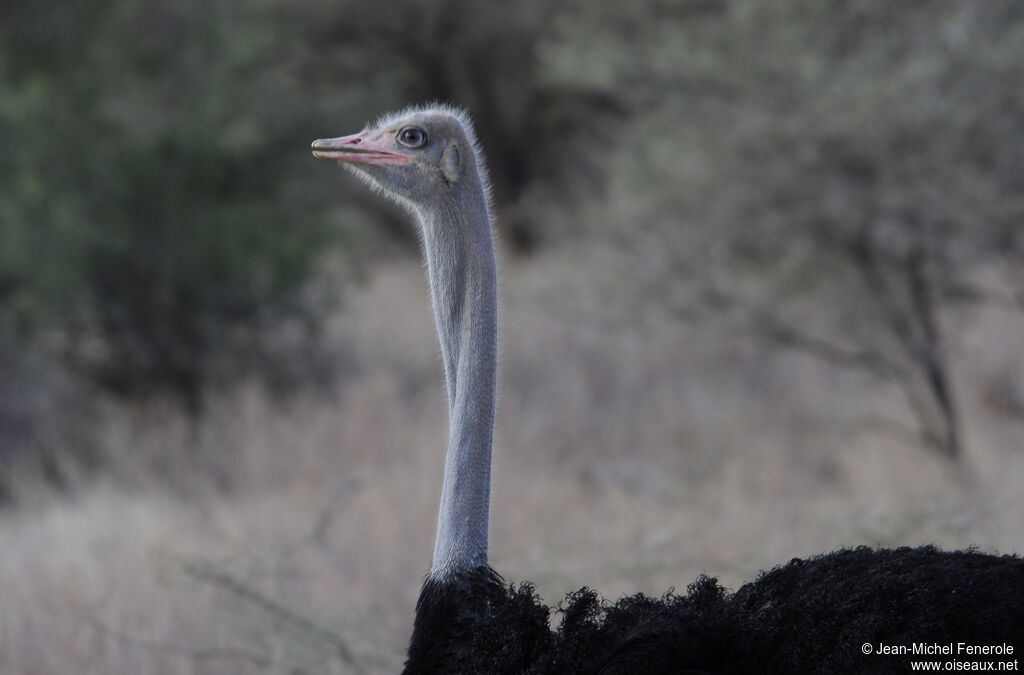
column 460, row 260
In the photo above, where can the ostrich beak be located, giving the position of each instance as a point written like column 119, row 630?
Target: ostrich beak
column 358, row 148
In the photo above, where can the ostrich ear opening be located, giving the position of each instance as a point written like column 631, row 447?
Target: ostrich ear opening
column 450, row 163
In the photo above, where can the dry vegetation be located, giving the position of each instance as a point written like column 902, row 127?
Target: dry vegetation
column 629, row 458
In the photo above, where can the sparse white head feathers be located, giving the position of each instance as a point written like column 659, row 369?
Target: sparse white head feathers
column 424, row 156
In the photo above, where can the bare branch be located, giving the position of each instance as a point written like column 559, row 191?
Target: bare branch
column 973, row 294
column 877, row 425
column 207, row 572
column 178, row 650
column 786, row 335
column 931, row 355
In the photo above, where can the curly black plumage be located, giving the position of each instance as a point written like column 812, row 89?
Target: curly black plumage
column 809, row 615
column 473, row 622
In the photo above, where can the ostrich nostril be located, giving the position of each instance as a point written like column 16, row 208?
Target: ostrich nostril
column 356, row 141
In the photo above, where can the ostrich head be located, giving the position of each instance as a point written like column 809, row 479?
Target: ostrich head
column 425, row 158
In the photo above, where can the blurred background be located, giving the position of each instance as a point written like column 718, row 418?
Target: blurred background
column 762, row 275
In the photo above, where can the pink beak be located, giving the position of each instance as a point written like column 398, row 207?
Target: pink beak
column 358, row 148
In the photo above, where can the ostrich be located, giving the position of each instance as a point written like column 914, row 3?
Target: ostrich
column 818, row 614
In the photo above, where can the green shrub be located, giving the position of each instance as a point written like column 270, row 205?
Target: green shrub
column 147, row 223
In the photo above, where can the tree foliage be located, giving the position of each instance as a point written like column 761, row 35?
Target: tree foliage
column 145, row 210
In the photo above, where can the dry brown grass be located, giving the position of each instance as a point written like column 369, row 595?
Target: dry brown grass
column 628, row 459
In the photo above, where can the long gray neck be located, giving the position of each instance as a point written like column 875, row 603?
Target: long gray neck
column 460, row 261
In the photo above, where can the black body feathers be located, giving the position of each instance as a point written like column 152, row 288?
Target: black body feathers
column 810, row 615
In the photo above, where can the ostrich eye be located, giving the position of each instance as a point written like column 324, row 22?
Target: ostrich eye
column 412, row 137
